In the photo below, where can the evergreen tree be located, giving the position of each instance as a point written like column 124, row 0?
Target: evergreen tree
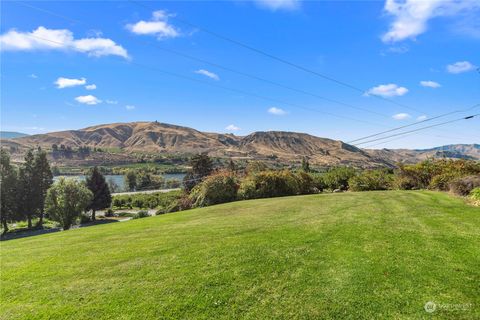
column 131, row 180
column 43, row 179
column 202, row 166
column 305, row 165
column 101, row 193
column 231, row 166
column 8, row 189
column 27, row 188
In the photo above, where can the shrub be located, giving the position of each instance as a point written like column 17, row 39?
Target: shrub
column 436, row 174
column 371, row 180
column 247, row 189
column 266, row 184
column 475, row 194
column 218, row 188
column 306, row 184
column 337, row 178
column 463, row 186
column 141, row 214
column 84, row 218
column 183, row 203
column 109, row 213
column 318, row 181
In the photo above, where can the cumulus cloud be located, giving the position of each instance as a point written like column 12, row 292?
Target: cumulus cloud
column 279, row 4
column 422, row 117
column 277, row 111
column 387, row 90
column 33, row 76
column 460, row 67
column 91, row 86
column 111, row 101
column 129, row 107
column 232, row 127
column 410, row 17
column 67, row 82
column 401, row 116
column 59, row 39
column 157, row 26
column 430, row 84
column 209, row 74
column 89, row 99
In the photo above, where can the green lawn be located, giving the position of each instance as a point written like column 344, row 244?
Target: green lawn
column 334, row 256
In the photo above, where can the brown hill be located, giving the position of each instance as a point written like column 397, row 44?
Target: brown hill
column 161, row 138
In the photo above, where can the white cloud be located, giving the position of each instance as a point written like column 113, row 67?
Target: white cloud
column 66, row 82
column 89, row 99
column 387, row 90
column 422, row 117
column 401, row 116
column 111, row 101
column 129, row 107
column 279, row 4
column 157, row 26
column 232, row 127
column 277, row 111
column 410, row 17
column 59, row 39
column 209, row 74
column 91, row 86
column 460, row 66
column 430, row 84
column 33, row 76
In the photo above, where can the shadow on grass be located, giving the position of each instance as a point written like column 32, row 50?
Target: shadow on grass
column 25, row 232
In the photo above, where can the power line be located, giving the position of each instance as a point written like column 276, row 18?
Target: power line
column 419, row 129
column 416, row 123
column 217, row 65
column 278, row 59
column 223, row 87
column 259, row 79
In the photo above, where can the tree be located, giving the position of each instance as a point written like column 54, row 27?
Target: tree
column 8, row 189
column 101, row 193
column 131, row 180
column 305, row 165
column 231, row 166
column 202, row 166
column 43, row 179
column 27, row 188
column 66, row 200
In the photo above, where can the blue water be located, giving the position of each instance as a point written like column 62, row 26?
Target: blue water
column 119, row 180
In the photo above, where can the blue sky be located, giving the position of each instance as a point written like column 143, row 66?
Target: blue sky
column 422, row 55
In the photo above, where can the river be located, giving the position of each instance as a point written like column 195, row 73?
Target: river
column 119, row 179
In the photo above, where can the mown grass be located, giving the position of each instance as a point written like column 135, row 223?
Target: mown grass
column 337, row 256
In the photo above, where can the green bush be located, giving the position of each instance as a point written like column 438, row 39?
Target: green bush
column 463, row 186
column 371, row 180
column 247, row 189
column 475, row 194
column 266, row 184
column 146, row 200
column 318, row 181
column 435, row 174
column 218, row 188
column 306, row 184
column 180, row 204
column 141, row 214
column 337, row 178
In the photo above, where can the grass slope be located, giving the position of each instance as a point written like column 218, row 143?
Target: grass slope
column 353, row 255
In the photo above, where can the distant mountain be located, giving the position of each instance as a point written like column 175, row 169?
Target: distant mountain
column 453, row 151
column 130, row 139
column 155, row 137
column 11, row 134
